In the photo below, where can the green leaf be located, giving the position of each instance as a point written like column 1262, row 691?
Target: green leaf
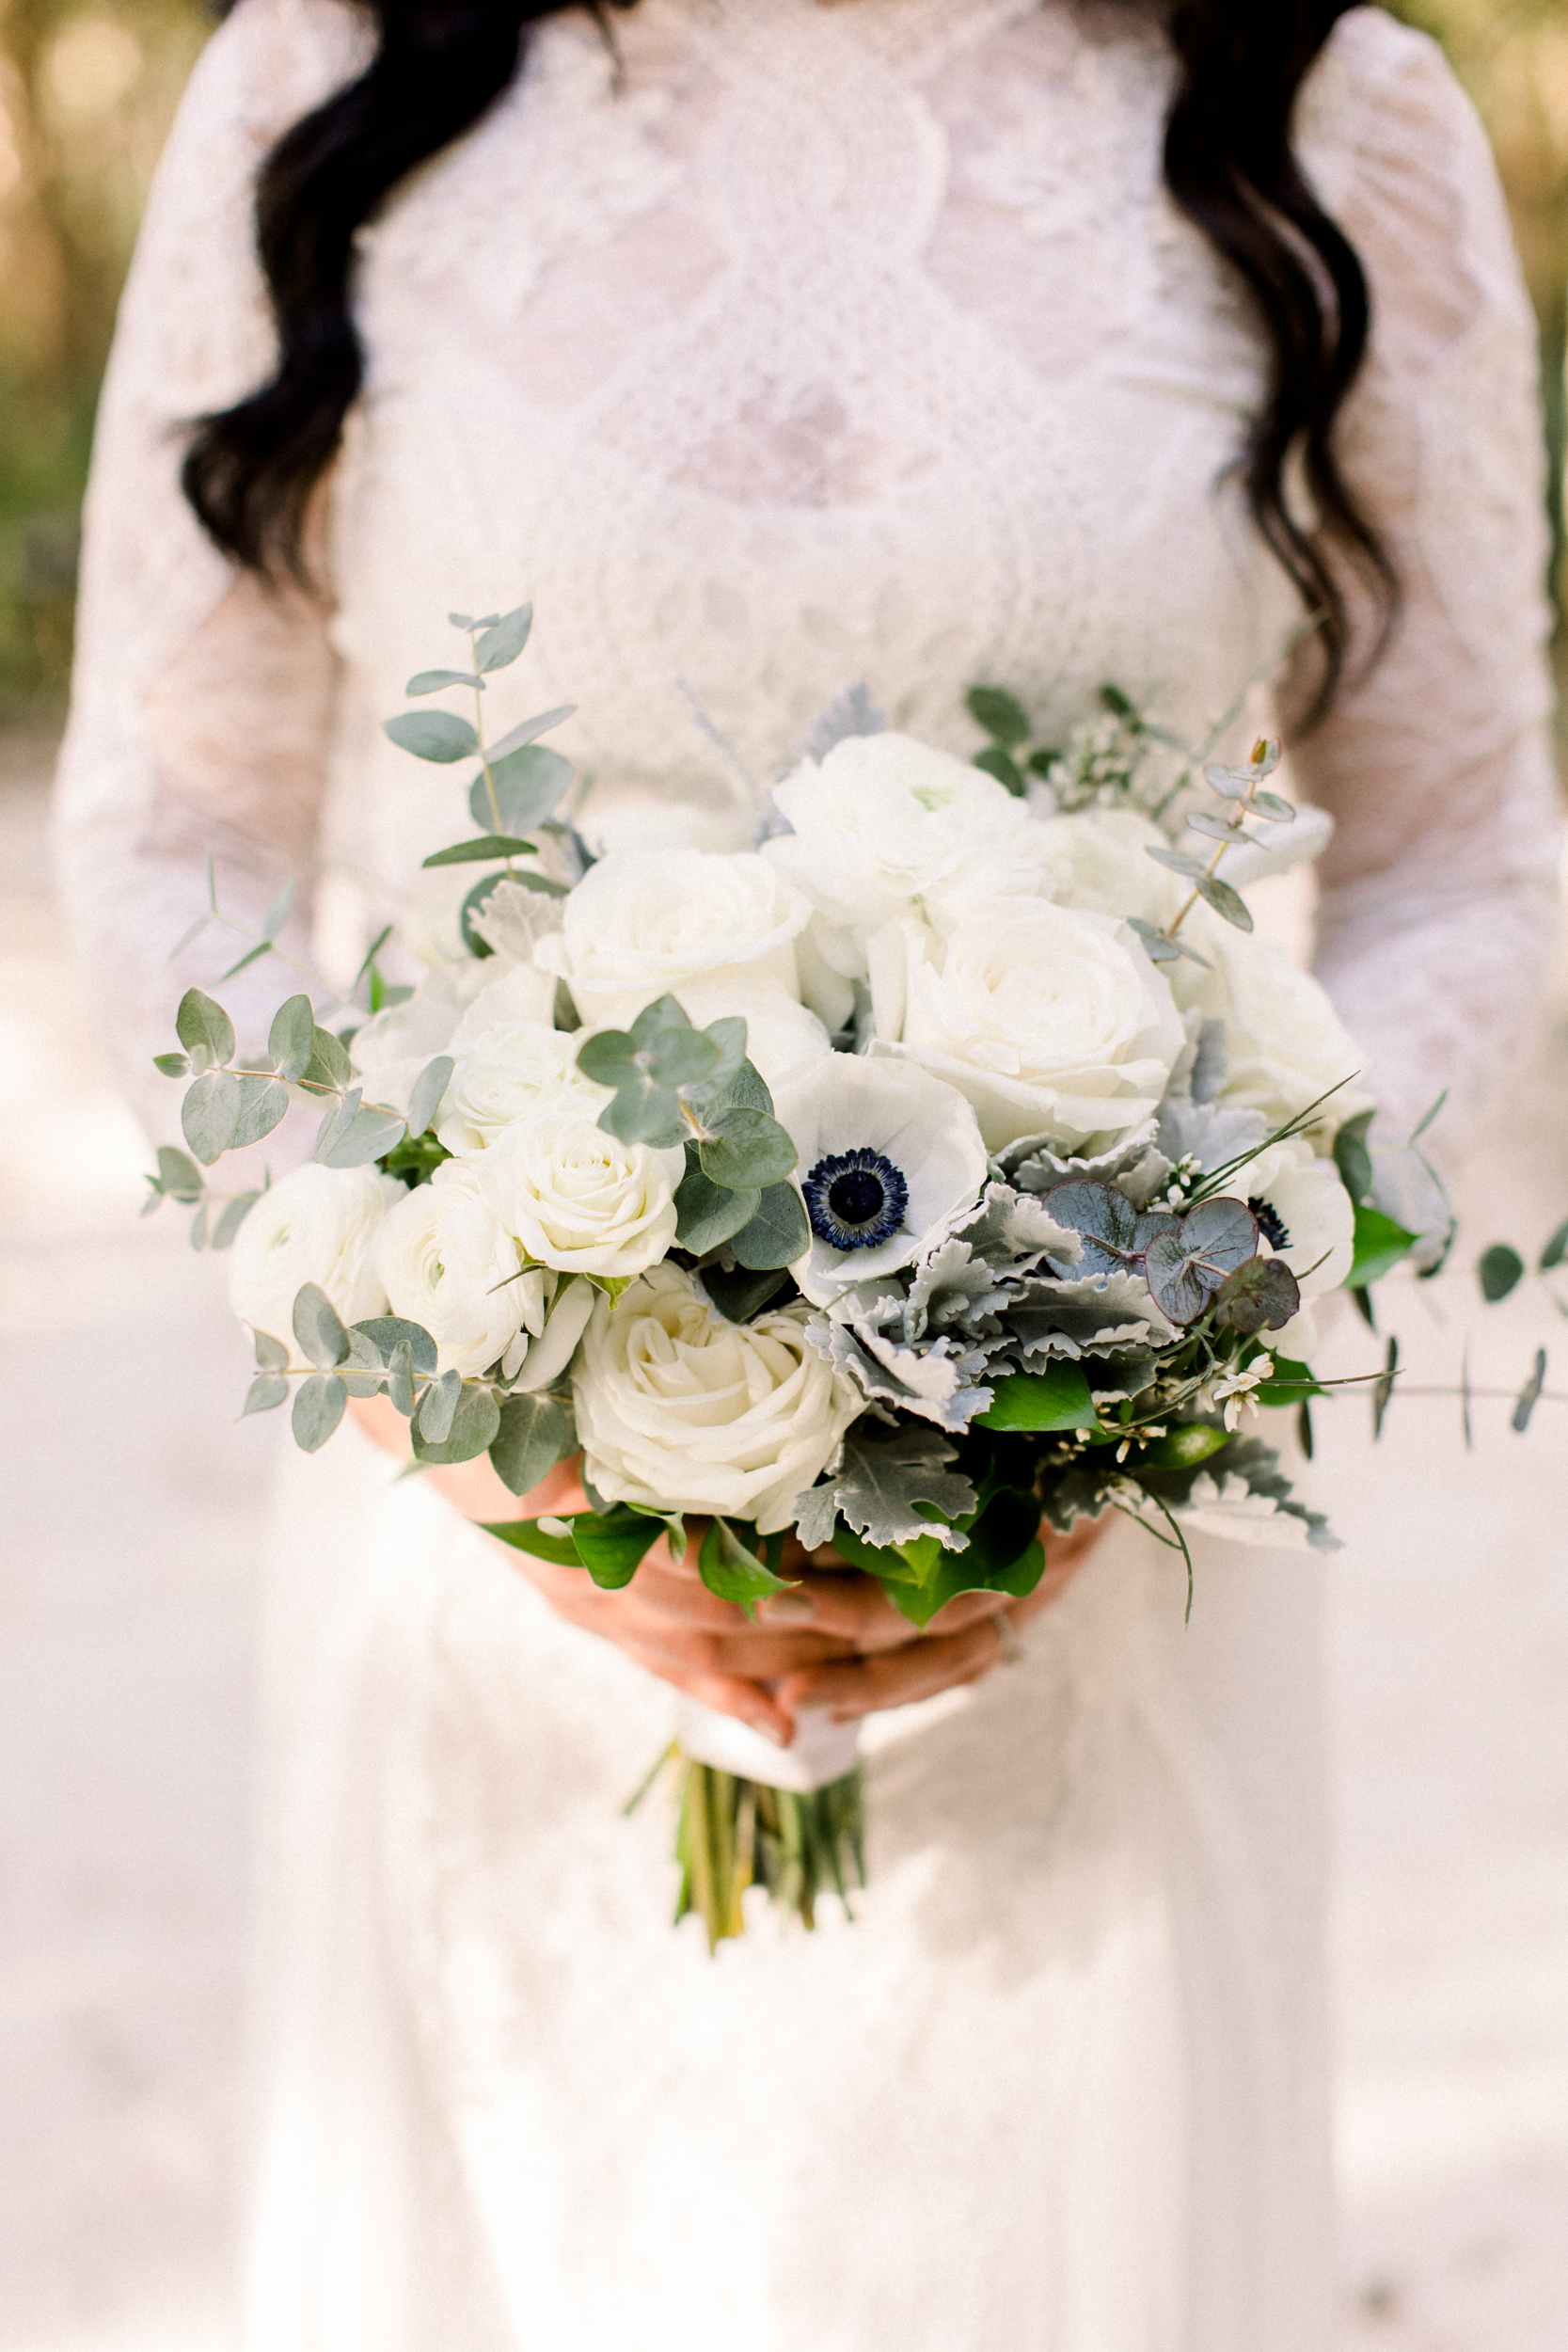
column 263, row 1102
column 387, row 1333
column 1382, row 1387
column 1292, row 1383
column 329, row 1067
column 707, row 1214
column 198, row 1226
column 473, row 1429
column 291, row 1040
column 424, row 1098
column 178, row 1176
column 1426, row 1116
column 529, row 730
column 528, row 783
column 489, row 845
column 317, row 1327
column 1262, row 1294
column 439, row 1408
column 740, row 1295
column 1501, row 1269
column 613, row 1544
column 361, row 1369
column 1529, row 1395
column 1002, row 715
column 1185, row 1267
column 643, row 1113
column 204, row 1029
column 461, row 620
column 1380, row 1244
column 995, row 762
column 746, row 1148
column 319, row 1404
column 1224, row 901
column 1183, row 1449
column 1161, row 947
column 252, row 955
column 367, row 1136
column 400, row 1380
column 1178, row 861
column 1217, row 828
column 740, row 1087
column 538, row 1538
column 1352, row 1157
column 610, row 1058
column 1556, row 1250
column 432, row 681
column 536, row 1432
column 777, row 1235
column 270, row 1355
column 960, row 1572
column 383, row 935
column 729, row 1568
column 504, row 639
column 280, row 909
column 264, row 1392
column 233, row 1216
column 1056, row 1398
column 210, row 1114
column 437, row 735
column 1275, row 807
column 475, row 903
column 187, row 937
column 171, row 1065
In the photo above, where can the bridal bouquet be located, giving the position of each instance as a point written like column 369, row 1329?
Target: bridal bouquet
column 951, row 1165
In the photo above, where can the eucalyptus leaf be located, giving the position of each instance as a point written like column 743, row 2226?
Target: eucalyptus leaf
column 707, row 1214
column 171, row 1065
column 204, row 1029
column 360, row 1371
column 400, row 1380
column 1002, row 715
column 439, row 1408
column 329, row 1067
column 528, row 783
column 995, row 761
column 335, row 1125
column 1383, row 1387
column 1179, row 862
column 536, row 1432
column 746, row 1148
column 610, row 1058
column 179, row 1176
column 319, row 1404
column 1500, row 1270
column 1275, row 807
column 1262, row 1294
column 387, row 1333
column 270, row 1355
column 367, row 1137
column 265, row 1392
column 515, row 738
column 252, row 955
column 1556, row 1250
column 291, row 1040
column 473, row 1428
column 424, row 1098
column 282, row 908
column 432, row 681
column 1529, row 1395
column 1224, row 901
column 740, row 1295
column 437, row 735
column 1218, row 828
column 504, row 639
column 776, row 1234
column 199, row 1227
column 1186, row 1267
column 645, row 1113
column 234, row 1215
column 318, row 1328
column 188, row 938
column 1164, row 947
column 263, row 1102
column 210, row 1114
column 489, row 845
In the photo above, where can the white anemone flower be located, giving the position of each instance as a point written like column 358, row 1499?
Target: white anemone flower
column 1305, row 1216
column 887, row 1157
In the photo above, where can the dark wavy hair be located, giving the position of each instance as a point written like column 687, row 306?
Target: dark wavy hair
column 1229, row 165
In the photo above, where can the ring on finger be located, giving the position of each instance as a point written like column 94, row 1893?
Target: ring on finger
column 1009, row 1648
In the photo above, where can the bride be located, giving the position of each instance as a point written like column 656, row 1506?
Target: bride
column 768, row 346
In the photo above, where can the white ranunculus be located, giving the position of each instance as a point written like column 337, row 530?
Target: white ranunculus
column 319, row 1225
column 1285, row 1044
column 520, row 993
column 503, row 1074
column 392, row 1047
column 449, row 1262
column 1051, row 1022
column 885, row 826
column 678, row 1409
column 886, row 1155
column 1098, row 861
column 642, row 927
column 578, row 1198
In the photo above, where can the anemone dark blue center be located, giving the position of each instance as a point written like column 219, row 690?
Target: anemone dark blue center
column 1270, row 1224
column 855, row 1198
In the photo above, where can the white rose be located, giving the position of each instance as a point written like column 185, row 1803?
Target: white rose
column 319, row 1225
column 392, row 1047
column 449, row 1262
column 1285, row 1044
column 638, row 927
column 782, row 1038
column 680, row 1409
column 504, row 1073
column 886, row 1155
column 579, row 1200
column 1097, row 861
column 885, row 826
column 1051, row 1022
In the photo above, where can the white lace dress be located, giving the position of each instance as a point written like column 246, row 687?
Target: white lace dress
column 836, row 344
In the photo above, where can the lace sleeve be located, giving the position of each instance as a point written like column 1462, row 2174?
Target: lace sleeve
column 1439, row 888
column 201, row 702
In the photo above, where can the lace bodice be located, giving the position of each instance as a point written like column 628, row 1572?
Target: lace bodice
column 818, row 345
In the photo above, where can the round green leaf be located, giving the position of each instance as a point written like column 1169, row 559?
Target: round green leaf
column 319, row 1404
column 437, row 735
column 746, row 1148
column 204, row 1029
column 1501, row 1269
column 210, row 1113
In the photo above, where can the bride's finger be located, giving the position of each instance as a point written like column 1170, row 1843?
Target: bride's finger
column 894, row 1678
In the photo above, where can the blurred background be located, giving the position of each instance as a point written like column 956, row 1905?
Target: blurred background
column 127, row 1595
